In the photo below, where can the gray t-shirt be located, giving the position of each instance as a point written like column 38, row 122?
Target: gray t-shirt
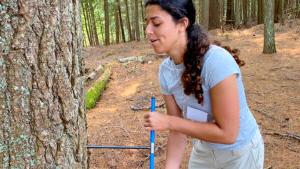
column 218, row 64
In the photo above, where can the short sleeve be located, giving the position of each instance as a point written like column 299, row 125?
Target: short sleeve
column 163, row 81
column 218, row 66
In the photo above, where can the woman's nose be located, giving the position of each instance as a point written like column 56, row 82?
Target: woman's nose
column 149, row 30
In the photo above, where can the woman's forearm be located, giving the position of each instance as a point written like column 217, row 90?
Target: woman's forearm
column 210, row 132
column 175, row 149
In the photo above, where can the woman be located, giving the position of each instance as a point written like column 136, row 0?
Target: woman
column 203, row 91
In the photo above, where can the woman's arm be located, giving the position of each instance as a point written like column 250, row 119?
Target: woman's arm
column 225, row 108
column 176, row 141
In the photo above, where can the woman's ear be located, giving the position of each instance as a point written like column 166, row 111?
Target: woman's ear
column 183, row 23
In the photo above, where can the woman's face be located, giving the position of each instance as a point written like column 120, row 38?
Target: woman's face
column 162, row 32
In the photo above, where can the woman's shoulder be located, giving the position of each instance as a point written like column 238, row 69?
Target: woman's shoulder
column 218, row 55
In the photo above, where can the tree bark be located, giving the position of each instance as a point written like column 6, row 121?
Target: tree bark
column 245, row 12
column 205, row 14
column 260, row 14
column 128, row 22
column 230, row 12
column 117, row 21
column 137, row 22
column 42, row 114
column 106, row 16
column 237, row 13
column 214, row 14
column 269, row 33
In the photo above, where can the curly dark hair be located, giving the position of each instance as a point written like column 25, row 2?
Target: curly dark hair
column 198, row 44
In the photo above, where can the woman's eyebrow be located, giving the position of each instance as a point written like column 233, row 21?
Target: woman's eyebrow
column 152, row 18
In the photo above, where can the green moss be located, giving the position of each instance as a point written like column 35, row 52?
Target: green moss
column 94, row 93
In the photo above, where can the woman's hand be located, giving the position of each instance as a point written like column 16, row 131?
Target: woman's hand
column 156, row 121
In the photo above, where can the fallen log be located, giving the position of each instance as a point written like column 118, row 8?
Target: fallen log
column 93, row 94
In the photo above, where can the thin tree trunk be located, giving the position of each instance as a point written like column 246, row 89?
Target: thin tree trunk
column 117, row 21
column 106, row 16
column 205, row 14
column 237, row 12
column 42, row 114
column 137, row 22
column 230, row 12
column 269, row 33
column 95, row 34
column 121, row 21
column 214, row 14
column 128, row 22
column 143, row 18
column 254, row 11
column 133, row 19
column 101, row 26
column 245, row 12
column 85, row 21
column 260, row 13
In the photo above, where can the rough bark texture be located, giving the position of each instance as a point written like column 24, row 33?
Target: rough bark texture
column 269, row 33
column 107, row 22
column 42, row 117
column 205, row 13
column 214, row 14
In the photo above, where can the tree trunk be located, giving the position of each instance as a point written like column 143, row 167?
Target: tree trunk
column 214, row 14
column 42, row 114
column 230, row 12
column 93, row 23
column 245, row 12
column 237, row 12
column 205, row 13
column 260, row 13
column 143, row 18
column 269, row 33
column 254, row 10
column 117, row 21
column 128, row 22
column 137, row 23
column 106, row 16
column 121, row 21
column 133, row 19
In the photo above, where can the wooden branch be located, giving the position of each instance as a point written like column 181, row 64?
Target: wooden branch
column 287, row 134
column 132, row 59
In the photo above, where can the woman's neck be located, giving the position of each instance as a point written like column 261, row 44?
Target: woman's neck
column 178, row 50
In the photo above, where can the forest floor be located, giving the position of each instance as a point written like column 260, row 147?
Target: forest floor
column 272, row 84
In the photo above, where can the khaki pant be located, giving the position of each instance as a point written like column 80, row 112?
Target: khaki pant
column 251, row 156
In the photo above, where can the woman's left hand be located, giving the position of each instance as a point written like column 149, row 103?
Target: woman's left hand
column 156, row 121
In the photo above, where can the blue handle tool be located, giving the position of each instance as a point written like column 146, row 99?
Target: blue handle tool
column 152, row 137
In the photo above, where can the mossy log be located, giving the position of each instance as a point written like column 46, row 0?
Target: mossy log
column 93, row 94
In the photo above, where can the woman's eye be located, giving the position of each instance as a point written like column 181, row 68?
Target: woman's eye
column 156, row 24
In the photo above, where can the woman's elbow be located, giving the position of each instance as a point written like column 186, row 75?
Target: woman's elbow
column 230, row 138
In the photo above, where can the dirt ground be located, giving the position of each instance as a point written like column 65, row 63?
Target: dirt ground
column 272, row 85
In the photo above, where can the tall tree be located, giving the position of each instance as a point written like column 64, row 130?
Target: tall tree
column 205, row 13
column 269, row 33
column 106, row 16
column 121, row 21
column 214, row 14
column 254, row 10
column 237, row 13
column 245, row 11
column 133, row 30
column 143, row 18
column 93, row 22
column 137, row 21
column 42, row 114
column 260, row 12
column 117, row 21
column 128, row 24
column 230, row 12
